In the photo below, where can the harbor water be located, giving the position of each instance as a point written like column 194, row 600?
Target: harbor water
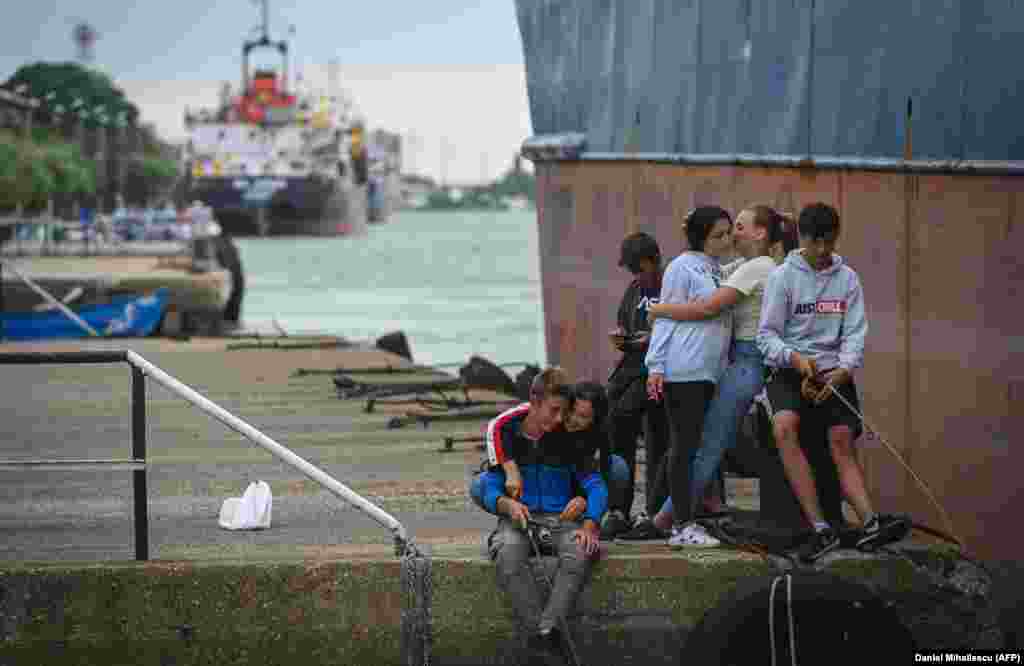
column 456, row 282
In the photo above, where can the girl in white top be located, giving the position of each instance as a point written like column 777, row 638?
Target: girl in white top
column 757, row 231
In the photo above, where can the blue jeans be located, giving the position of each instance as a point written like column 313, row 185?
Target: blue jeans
column 740, row 383
column 618, row 471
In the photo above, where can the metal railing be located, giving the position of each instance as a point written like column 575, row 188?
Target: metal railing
column 137, row 463
column 140, row 369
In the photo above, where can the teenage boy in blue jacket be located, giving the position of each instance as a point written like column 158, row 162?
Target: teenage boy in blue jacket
column 548, row 464
column 811, row 334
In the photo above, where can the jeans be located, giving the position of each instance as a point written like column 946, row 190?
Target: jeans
column 510, row 549
column 740, row 383
column 632, row 413
column 619, row 481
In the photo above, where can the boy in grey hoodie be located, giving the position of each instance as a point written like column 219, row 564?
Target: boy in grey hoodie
column 813, row 327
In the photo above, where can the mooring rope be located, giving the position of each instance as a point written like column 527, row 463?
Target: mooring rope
column 771, row 618
column 417, row 616
column 924, row 486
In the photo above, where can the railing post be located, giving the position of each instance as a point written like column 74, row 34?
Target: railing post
column 139, row 453
column 13, row 229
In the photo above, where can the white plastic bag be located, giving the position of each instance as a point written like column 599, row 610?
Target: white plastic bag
column 251, row 511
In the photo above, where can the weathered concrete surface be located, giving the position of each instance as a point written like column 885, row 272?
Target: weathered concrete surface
column 637, row 609
column 323, row 583
column 196, row 462
column 82, row 412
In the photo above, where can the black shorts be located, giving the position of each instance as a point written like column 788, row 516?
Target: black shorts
column 783, row 389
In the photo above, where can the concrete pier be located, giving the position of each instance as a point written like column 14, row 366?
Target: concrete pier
column 323, row 584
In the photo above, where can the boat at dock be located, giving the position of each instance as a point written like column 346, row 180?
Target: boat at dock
column 125, row 316
column 284, row 162
column 201, row 278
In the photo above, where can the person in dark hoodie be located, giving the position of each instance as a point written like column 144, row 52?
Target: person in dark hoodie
column 632, row 411
column 812, row 333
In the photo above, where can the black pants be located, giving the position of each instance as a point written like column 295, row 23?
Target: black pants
column 632, row 413
column 686, row 404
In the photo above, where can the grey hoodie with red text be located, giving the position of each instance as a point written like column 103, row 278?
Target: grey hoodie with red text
column 817, row 313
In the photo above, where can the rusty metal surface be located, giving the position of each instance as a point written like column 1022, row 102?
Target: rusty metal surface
column 939, row 256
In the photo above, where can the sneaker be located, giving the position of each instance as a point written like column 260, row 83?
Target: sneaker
column 880, row 530
column 692, row 536
column 643, row 530
column 820, row 543
column 614, row 524
column 548, row 643
column 723, row 511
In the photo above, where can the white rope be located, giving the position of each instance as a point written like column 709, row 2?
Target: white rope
column 771, row 618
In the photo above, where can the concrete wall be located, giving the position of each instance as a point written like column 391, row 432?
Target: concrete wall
column 639, row 606
column 939, row 258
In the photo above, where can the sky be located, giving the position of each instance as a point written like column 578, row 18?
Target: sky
column 446, row 74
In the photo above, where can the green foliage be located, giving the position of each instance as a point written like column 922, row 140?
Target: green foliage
column 158, row 168
column 73, row 173
column 515, row 183
column 59, row 85
column 147, row 177
column 31, row 172
column 441, row 200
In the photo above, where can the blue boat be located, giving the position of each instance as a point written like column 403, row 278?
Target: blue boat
column 126, row 316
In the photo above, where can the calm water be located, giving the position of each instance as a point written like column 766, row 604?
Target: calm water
column 457, row 283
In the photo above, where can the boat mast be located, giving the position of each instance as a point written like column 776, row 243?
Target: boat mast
column 266, row 21
column 264, row 41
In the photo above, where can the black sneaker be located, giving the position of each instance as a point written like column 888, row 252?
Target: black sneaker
column 614, row 524
column 644, row 530
column 548, row 643
column 820, row 543
column 881, row 530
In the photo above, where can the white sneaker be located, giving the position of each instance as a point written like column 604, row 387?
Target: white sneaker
column 692, row 536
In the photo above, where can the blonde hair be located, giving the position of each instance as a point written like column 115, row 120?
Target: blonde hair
column 549, row 382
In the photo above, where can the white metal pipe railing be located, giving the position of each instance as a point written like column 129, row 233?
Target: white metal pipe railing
column 281, row 452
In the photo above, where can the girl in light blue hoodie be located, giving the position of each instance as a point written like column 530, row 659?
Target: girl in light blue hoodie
column 686, row 358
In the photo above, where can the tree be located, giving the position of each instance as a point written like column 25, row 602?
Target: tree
column 48, row 166
column 31, row 173
column 516, row 182
column 64, row 87
column 147, row 178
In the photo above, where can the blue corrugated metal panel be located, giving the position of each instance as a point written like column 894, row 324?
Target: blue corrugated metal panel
column 795, row 77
